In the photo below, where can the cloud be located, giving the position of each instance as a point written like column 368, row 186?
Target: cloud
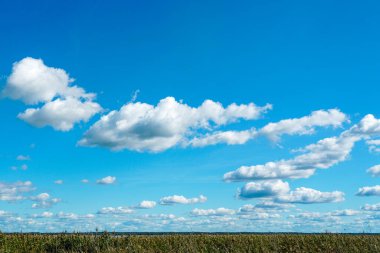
column 23, row 158
column 303, row 195
column 85, row 181
column 369, row 191
column 106, row 180
column 32, row 82
column 58, row 181
column 179, row 199
column 212, row 212
column 43, row 200
column 374, row 207
column 146, row 204
column 374, row 171
column 304, row 125
column 373, row 145
column 321, row 155
column 263, row 189
column 115, row 210
column 228, row 137
column 15, row 191
column 274, row 131
column 345, row 212
column 144, row 127
column 43, row 215
column 61, row 114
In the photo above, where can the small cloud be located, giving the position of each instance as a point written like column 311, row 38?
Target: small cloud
column 24, row 167
column 106, row 180
column 146, row 204
column 85, row 181
column 58, row 181
column 23, row 158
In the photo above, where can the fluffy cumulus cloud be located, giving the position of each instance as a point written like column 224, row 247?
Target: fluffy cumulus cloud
column 212, row 212
column 15, row 191
column 144, row 127
column 369, row 191
column 61, row 114
column 263, row 189
column 279, row 192
column 179, row 199
column 64, row 105
column 105, row 180
column 146, row 204
column 374, row 171
column 305, row 195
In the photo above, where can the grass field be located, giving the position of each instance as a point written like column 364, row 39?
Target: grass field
column 106, row 242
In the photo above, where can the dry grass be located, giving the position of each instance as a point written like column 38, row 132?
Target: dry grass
column 177, row 243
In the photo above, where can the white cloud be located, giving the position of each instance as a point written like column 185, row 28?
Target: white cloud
column 106, row 180
column 228, row 137
column 374, row 207
column 304, row 125
column 144, row 127
column 59, row 181
column 32, row 82
column 179, row 199
column 43, row 200
column 305, row 195
column 345, row 212
column 146, row 204
column 373, row 145
column 274, row 131
column 23, row 158
column 374, row 171
column 321, row 155
column 15, row 191
column 43, row 215
column 115, row 210
column 212, row 212
column 61, row 114
column 369, row 191
column 263, row 189
column 85, row 181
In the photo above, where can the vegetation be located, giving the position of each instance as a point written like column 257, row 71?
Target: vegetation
column 262, row 243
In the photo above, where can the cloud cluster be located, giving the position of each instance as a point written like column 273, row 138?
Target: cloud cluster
column 274, row 131
column 44, row 200
column 64, row 105
column 179, row 199
column 280, row 192
column 321, row 155
column 15, row 191
column 212, row 212
column 115, row 210
column 144, row 127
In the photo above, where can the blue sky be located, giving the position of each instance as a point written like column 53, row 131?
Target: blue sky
column 114, row 93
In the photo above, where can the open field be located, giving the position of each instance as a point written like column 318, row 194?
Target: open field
column 106, row 242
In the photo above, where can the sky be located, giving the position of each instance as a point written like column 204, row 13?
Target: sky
column 257, row 116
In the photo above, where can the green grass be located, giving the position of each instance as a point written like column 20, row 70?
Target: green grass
column 177, row 243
